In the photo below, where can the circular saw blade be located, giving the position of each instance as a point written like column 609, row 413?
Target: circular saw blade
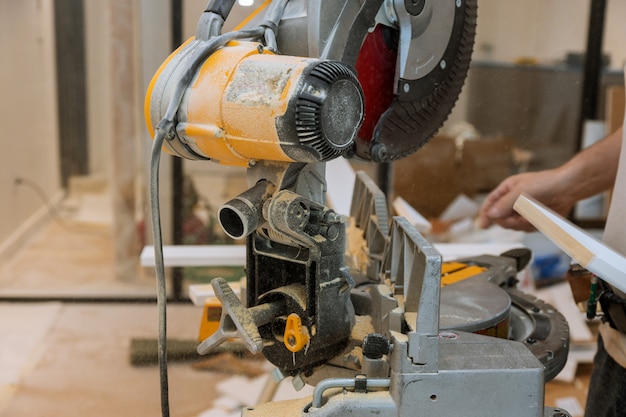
column 431, row 75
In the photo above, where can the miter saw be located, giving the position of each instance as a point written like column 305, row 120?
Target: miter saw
column 302, row 82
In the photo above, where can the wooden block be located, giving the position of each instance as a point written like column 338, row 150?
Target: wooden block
column 144, row 352
column 200, row 293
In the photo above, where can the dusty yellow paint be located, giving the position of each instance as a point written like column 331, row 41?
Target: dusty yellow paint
column 211, row 315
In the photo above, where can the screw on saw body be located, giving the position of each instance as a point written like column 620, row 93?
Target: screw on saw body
column 375, row 346
column 414, row 7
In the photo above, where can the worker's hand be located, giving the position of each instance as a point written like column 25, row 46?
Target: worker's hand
column 546, row 187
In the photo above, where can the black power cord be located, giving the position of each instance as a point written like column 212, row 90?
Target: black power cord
column 197, row 53
column 160, row 269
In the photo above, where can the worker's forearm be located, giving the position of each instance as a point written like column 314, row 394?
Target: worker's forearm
column 594, row 169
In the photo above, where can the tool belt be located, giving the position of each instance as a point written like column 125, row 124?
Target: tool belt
column 613, row 306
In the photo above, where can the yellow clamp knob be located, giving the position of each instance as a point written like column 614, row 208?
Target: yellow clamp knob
column 296, row 335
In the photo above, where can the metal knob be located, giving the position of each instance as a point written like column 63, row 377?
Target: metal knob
column 236, row 321
column 375, row 346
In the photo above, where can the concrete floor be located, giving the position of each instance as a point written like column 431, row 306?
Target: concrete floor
column 72, row 358
column 78, row 365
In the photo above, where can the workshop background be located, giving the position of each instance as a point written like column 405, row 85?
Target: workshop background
column 73, row 184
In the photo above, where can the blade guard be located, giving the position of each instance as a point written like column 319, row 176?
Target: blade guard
column 421, row 105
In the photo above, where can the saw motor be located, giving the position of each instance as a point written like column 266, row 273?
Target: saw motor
column 246, row 104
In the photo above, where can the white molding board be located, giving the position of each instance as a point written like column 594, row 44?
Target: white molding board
column 197, row 255
column 592, row 254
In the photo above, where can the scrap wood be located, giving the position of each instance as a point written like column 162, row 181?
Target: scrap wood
column 144, row 352
column 233, row 363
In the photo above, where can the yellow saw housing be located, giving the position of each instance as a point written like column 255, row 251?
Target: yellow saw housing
column 247, row 104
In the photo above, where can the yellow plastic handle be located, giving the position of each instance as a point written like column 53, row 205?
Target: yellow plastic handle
column 296, row 335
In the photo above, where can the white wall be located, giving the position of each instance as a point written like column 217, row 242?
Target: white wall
column 28, row 109
column 99, row 94
column 545, row 30
column 155, row 46
column 615, row 33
